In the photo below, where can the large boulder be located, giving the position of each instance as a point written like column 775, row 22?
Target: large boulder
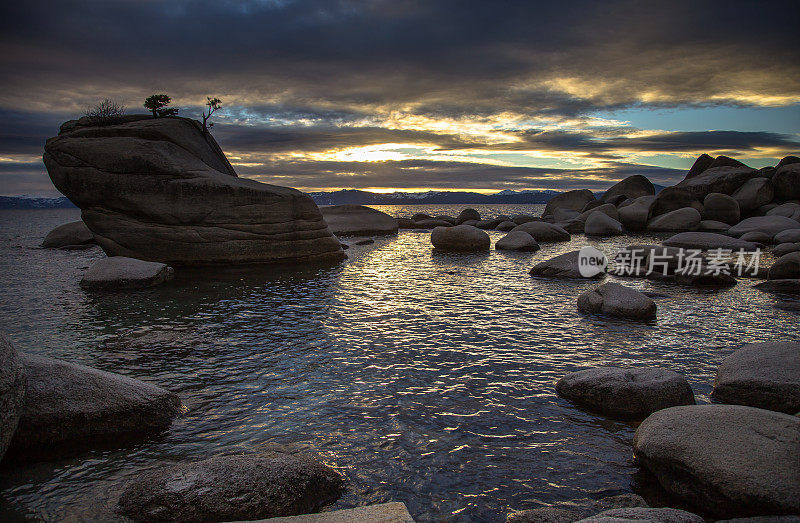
column 788, row 236
column 764, row 375
column 722, row 208
column 160, row 189
column 785, row 248
column 120, row 272
column 786, row 181
column 788, row 209
column 686, row 219
column 543, row 232
column 786, row 160
column 644, row 515
column 723, row 179
column 626, row 393
column 708, row 240
column 631, row 187
column 606, row 208
column 229, row 488
column 462, row 237
column 634, row 216
column 702, row 163
column 754, row 193
column 505, row 226
column 467, row 215
column 70, row 407
column 600, row 224
column 68, row 235
column 770, row 225
column 517, row 241
column 575, row 200
column 562, row 266
column 357, row 220
column 12, row 392
column 613, row 299
column 785, row 267
column 729, row 460
column 674, row 198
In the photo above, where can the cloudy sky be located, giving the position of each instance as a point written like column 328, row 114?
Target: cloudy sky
column 418, row 94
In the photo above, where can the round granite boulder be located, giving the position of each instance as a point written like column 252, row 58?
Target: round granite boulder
column 770, row 225
column 601, row 224
column 625, row 393
column 544, row 232
column 68, row 235
column 685, row 219
column 764, row 375
column 788, row 236
column 12, row 392
column 722, row 208
column 613, row 299
column 562, row 266
column 786, row 181
column 785, row 248
column 575, row 200
column 358, row 220
column 631, row 187
column 517, row 241
column 786, row 267
column 120, row 272
column 634, row 216
column 465, row 238
column 505, row 226
column 754, row 193
column 468, row 215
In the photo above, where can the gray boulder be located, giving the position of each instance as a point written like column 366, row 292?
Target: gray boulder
column 758, row 237
column 119, row 272
column 788, row 286
column 562, row 266
column 70, row 407
column 788, row 209
column 788, row 236
column 575, row 200
column 69, row 234
column 644, row 515
column 488, row 224
column 713, row 226
column 519, row 219
column 674, row 198
column 764, row 375
column 606, row 208
column 571, row 226
column 729, row 460
column 468, row 215
column 12, row 392
column 634, row 216
column 600, row 224
column 770, row 225
column 357, row 220
column 721, row 207
column 432, row 224
column 505, row 226
column 613, row 299
column 543, row 232
column 754, row 193
column 786, row 181
column 786, row 160
column 517, row 241
column 563, row 215
column 787, row 266
column 631, row 187
column 625, row 393
column 462, row 237
column 392, row 512
column 160, row 189
column 708, row 240
column 785, row 248
column 702, row 163
column 723, row 180
column 573, row 510
column 228, row 488
column 686, row 219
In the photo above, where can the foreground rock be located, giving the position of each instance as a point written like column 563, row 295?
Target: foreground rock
column 68, row 235
column 574, row 510
column 160, row 189
column 70, row 407
column 722, row 208
column 226, row 488
column 764, row 375
column 708, row 240
column 517, row 241
column 394, row 512
column 601, row 224
column 119, row 272
column 613, row 299
column 785, row 267
column 544, row 232
column 562, row 266
column 630, row 394
column 463, row 237
column 769, row 225
column 644, row 514
column 12, row 392
column 358, row 220
column 729, row 460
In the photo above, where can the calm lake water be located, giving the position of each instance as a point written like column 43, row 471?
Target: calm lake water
column 426, row 378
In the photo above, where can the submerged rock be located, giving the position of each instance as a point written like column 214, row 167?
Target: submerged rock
column 358, row 220
column 228, row 488
column 12, row 392
column 69, row 234
column 69, row 407
column 432, row 224
column 568, row 512
column 787, row 286
column 460, row 238
column 119, row 272
column 543, row 232
column 392, row 512
column 562, row 266
column 160, row 189
column 729, row 460
column 764, row 375
column 614, row 299
column 517, row 241
column 626, row 393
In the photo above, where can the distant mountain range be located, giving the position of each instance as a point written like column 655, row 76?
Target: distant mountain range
column 34, row 202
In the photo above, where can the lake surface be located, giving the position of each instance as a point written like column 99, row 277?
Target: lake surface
column 425, row 378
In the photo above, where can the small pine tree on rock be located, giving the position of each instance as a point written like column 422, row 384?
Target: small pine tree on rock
column 158, row 103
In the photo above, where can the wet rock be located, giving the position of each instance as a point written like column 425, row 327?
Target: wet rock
column 674, row 198
column 12, row 392
column 393, row 512
column 601, row 224
column 729, row 460
column 568, row 512
column 785, row 248
column 405, row 223
column 704, row 277
column 575, row 200
column 631, row 187
column 635, row 215
column 517, row 241
column 366, row 241
column 228, row 488
column 787, row 266
column 613, row 299
column 463, row 237
column 787, row 286
column 418, row 217
column 764, row 375
column 708, row 240
column 754, row 193
column 160, row 189
column 70, row 407
column 562, row 266
column 644, row 514
column 786, row 181
column 788, row 236
column 506, row 226
column 358, row 220
column 770, row 225
column 625, row 393
column 722, row 179
column 721, row 207
column 119, row 272
column 467, row 215
column 544, row 232
column 69, row 234
column 686, row 219
column 713, row 226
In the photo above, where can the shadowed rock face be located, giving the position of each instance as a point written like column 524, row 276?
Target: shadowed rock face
column 12, row 392
column 162, row 190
